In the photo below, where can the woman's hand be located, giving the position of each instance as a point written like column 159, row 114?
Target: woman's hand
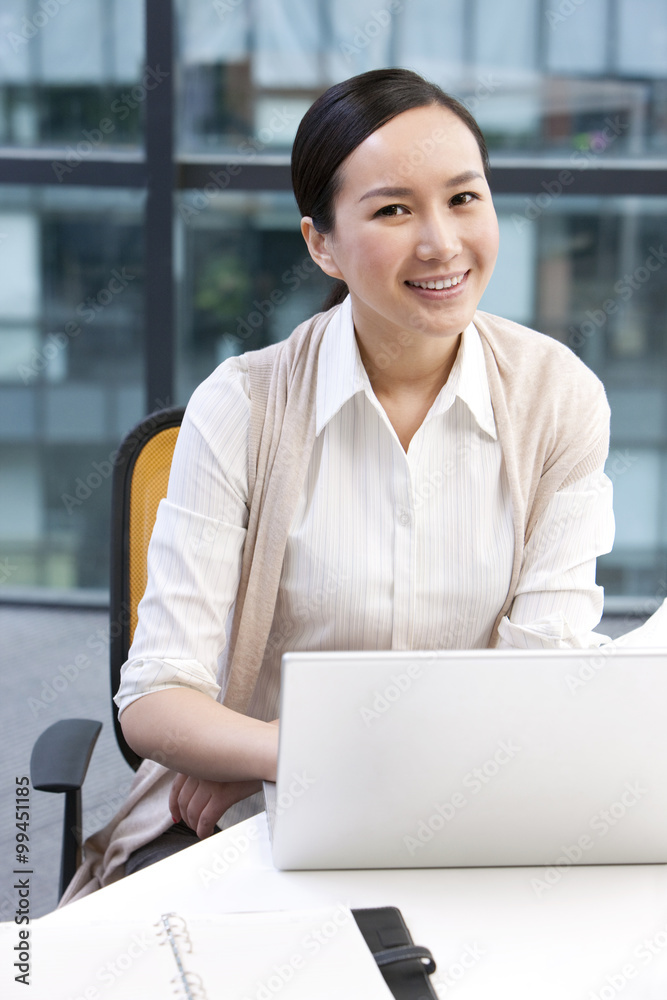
column 200, row 802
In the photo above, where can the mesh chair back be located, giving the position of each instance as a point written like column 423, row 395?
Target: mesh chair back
column 141, row 475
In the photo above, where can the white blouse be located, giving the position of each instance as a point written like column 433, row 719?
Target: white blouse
column 387, row 549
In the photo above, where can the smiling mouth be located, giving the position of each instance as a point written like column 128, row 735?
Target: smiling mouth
column 438, row 283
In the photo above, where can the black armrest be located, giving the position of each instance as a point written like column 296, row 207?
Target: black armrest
column 61, row 755
column 59, row 762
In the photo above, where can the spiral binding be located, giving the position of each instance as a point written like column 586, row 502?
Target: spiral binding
column 173, row 931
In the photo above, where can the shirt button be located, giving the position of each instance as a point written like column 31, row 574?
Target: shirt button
column 404, row 517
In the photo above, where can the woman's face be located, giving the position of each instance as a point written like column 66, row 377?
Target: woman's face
column 414, row 208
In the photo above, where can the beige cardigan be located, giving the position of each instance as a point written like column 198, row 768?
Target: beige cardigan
column 553, row 426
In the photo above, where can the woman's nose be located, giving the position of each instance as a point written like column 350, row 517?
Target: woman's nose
column 438, row 238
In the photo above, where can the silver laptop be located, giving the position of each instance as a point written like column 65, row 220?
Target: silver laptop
column 481, row 757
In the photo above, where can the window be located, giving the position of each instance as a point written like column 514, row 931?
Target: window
column 160, row 151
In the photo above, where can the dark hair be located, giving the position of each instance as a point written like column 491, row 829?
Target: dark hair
column 340, row 120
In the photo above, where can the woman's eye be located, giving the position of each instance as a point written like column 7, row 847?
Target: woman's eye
column 464, row 198
column 388, row 211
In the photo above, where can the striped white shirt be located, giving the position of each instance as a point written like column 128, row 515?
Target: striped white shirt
column 387, row 549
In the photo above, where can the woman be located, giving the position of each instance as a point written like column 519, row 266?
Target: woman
column 402, row 472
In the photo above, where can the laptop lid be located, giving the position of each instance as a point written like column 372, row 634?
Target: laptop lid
column 478, row 757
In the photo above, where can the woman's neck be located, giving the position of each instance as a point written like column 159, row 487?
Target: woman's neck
column 407, row 377
column 403, row 367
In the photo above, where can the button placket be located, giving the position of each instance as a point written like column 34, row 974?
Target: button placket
column 404, row 556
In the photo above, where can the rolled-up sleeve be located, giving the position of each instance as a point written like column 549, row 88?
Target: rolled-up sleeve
column 196, row 549
column 557, row 602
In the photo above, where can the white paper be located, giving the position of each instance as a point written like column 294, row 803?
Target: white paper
column 296, row 955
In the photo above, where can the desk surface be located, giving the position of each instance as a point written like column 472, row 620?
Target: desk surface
column 589, row 932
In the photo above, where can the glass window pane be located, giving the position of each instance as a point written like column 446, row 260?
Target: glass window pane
column 505, row 34
column 66, row 67
column 642, row 38
column 436, row 51
column 245, row 279
column 71, row 376
column 540, row 78
column 287, row 44
column 591, row 273
column 589, row 21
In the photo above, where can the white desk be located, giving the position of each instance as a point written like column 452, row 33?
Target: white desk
column 596, row 932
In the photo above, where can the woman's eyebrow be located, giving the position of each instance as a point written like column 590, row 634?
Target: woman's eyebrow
column 388, row 192
column 404, row 192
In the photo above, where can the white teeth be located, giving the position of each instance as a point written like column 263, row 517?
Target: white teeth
column 441, row 283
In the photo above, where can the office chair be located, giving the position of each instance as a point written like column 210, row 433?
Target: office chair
column 61, row 755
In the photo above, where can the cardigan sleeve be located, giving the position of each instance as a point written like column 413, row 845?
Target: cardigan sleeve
column 195, row 552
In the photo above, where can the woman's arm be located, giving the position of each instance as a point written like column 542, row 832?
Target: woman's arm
column 557, row 601
column 220, row 761
column 167, row 698
column 188, row 731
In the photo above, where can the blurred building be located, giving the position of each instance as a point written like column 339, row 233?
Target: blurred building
column 103, row 316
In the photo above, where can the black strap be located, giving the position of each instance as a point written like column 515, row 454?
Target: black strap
column 404, row 952
column 405, row 966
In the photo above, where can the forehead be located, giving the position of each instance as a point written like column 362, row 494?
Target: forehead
column 417, row 144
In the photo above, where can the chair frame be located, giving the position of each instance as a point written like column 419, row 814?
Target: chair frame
column 61, row 755
column 119, row 592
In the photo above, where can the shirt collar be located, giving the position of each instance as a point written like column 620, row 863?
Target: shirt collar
column 469, row 381
column 341, row 374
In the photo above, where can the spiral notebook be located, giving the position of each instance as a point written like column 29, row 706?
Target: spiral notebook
column 296, row 954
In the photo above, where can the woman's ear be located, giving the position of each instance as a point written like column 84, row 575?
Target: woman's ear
column 319, row 247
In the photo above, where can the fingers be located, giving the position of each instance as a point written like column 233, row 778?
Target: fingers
column 208, row 817
column 199, row 805
column 176, row 787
